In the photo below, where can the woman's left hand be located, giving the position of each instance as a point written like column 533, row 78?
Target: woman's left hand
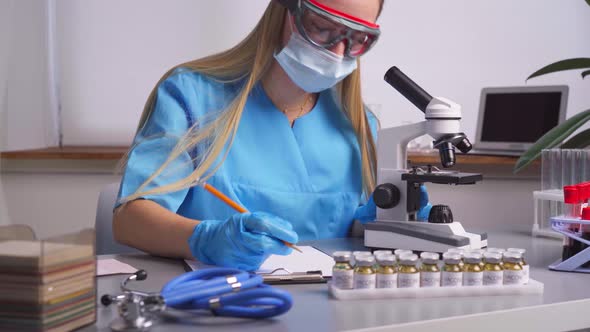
column 368, row 211
column 425, row 206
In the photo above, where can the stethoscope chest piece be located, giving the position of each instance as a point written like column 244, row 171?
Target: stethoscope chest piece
column 137, row 312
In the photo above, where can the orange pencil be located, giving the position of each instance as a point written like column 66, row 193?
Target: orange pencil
column 237, row 207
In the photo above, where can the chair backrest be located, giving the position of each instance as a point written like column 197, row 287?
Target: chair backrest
column 105, row 243
column 17, row 232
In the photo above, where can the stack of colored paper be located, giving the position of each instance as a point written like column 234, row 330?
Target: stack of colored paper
column 46, row 286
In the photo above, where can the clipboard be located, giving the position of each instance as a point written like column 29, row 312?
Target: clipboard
column 283, row 276
column 311, row 266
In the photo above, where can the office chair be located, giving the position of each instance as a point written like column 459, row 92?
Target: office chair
column 17, row 232
column 105, row 243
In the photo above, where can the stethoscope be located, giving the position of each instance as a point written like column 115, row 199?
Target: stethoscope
column 223, row 291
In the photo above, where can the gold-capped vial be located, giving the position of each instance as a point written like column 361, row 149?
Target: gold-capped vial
column 408, row 275
column 497, row 250
column 513, row 272
column 460, row 252
column 493, row 273
column 452, row 274
column 500, row 251
column 429, row 271
column 342, row 272
column 387, row 271
column 364, row 272
column 472, row 270
column 399, row 252
column 525, row 266
column 476, row 251
column 378, row 253
column 358, row 253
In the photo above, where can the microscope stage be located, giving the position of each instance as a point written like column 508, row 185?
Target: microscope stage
column 443, row 177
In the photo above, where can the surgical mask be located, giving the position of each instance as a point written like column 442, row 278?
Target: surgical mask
column 311, row 68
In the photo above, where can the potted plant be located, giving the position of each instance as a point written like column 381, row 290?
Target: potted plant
column 556, row 137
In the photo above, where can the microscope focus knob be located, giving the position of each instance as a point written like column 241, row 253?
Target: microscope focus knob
column 386, row 196
column 440, row 214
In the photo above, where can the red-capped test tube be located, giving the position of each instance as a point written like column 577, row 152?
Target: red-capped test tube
column 584, row 189
column 573, row 203
column 573, row 209
column 585, row 231
column 585, row 228
column 583, row 195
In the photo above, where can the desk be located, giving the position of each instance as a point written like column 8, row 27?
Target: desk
column 564, row 305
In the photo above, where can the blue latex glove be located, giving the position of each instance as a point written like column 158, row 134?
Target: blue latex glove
column 244, row 241
column 368, row 212
column 425, row 206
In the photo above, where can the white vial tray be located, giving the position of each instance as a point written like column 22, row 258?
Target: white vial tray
column 531, row 288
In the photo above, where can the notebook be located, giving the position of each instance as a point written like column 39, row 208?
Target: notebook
column 295, row 268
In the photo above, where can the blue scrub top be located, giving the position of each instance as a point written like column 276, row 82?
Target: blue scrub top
column 308, row 174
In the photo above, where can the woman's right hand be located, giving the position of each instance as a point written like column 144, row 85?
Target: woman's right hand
column 244, row 241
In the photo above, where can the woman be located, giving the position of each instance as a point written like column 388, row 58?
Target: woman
column 276, row 123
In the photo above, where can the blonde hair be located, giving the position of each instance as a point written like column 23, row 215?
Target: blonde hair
column 249, row 61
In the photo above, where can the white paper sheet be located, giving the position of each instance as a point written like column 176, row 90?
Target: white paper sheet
column 310, row 260
column 105, row 267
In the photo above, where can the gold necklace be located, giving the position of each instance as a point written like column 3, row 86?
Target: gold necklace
column 284, row 110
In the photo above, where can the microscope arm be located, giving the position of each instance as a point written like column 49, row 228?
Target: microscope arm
column 394, row 156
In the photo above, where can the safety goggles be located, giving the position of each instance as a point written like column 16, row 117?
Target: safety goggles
column 326, row 27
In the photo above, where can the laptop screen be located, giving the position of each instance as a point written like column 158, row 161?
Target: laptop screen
column 514, row 118
column 519, row 117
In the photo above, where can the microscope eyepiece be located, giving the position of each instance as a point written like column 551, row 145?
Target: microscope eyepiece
column 408, row 88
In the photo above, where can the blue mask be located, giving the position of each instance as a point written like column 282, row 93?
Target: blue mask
column 311, row 68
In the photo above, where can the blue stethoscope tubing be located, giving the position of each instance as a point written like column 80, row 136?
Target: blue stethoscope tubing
column 194, row 290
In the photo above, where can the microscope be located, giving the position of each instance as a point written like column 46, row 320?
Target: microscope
column 398, row 194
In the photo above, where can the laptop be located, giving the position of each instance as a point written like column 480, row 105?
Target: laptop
column 511, row 119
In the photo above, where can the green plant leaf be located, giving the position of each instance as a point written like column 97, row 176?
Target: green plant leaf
column 587, row 72
column 578, row 141
column 577, row 63
column 588, row 2
column 551, row 139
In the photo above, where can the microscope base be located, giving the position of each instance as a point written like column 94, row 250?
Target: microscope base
column 421, row 236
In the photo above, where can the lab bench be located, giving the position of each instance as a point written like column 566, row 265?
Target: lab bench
column 563, row 305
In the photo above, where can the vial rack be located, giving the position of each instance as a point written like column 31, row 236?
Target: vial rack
column 533, row 287
column 573, row 264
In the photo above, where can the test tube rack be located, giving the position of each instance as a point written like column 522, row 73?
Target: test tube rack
column 541, row 226
column 533, row 287
column 561, row 224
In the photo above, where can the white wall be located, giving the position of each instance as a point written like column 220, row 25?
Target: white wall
column 454, row 48
column 53, row 204
column 113, row 52
column 4, row 37
column 27, row 114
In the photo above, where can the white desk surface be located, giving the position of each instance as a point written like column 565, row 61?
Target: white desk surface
column 564, row 305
